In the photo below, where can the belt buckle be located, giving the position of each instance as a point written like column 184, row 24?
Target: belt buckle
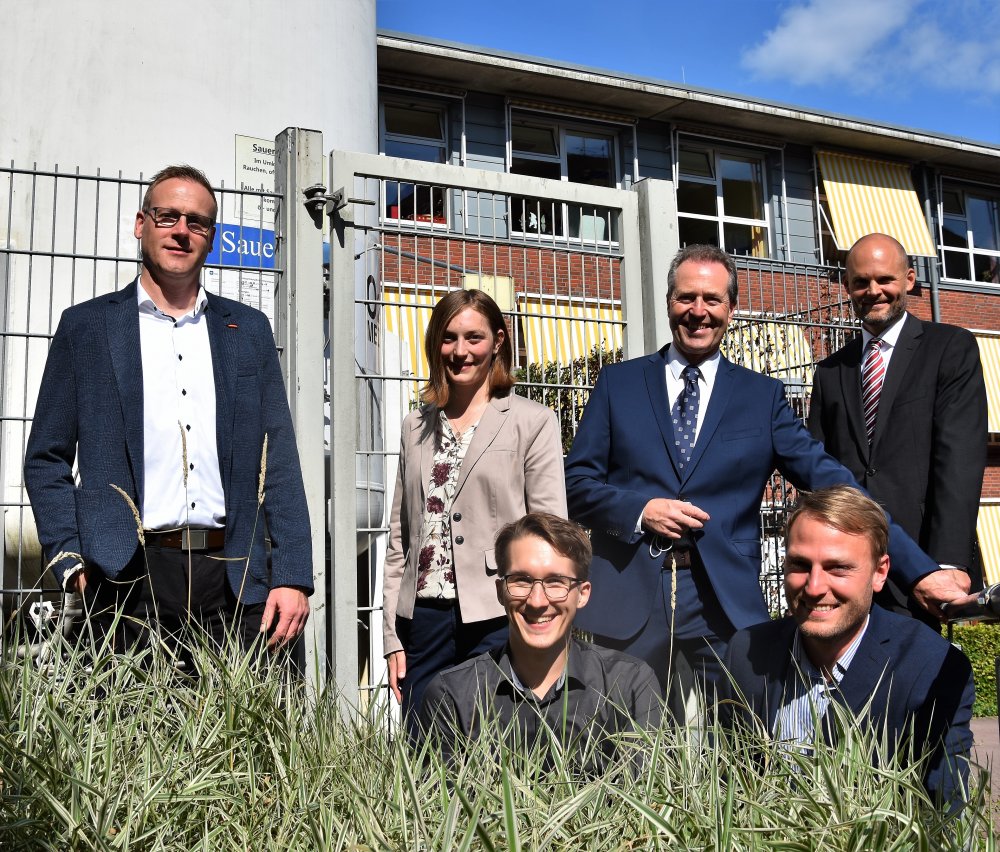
column 194, row 539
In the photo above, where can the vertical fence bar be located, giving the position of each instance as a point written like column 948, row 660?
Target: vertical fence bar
column 299, row 330
column 343, row 613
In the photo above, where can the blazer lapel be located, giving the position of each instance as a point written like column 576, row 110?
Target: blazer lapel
column 122, row 324
column 850, row 386
column 224, row 343
column 493, row 417
column 425, row 428
column 867, row 672
column 654, row 370
column 903, row 354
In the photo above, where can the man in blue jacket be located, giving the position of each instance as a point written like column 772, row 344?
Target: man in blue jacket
column 170, row 402
column 668, row 470
column 895, row 676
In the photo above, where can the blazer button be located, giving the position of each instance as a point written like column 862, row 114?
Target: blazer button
column 871, row 471
column 457, row 516
column 459, row 540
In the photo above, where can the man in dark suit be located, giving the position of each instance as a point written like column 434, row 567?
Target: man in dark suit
column 171, row 402
column 668, row 469
column 925, row 410
column 897, row 677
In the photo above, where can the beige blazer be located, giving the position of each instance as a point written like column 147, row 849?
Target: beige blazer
column 513, row 466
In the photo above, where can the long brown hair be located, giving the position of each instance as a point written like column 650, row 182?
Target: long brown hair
column 501, row 379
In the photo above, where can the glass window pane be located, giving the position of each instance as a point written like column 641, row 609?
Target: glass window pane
column 414, row 151
column 532, row 139
column 535, row 168
column 415, row 202
column 591, row 224
column 951, row 200
column 987, row 268
column 589, row 160
column 745, row 239
column 535, row 216
column 956, row 265
column 697, row 163
column 953, row 232
column 692, row 231
column 741, row 188
column 697, row 198
column 983, row 222
column 414, row 121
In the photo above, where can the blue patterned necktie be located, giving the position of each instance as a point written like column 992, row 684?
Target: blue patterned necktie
column 685, row 415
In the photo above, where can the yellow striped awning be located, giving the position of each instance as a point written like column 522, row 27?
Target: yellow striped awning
column 778, row 349
column 564, row 331
column 989, row 355
column 868, row 195
column 407, row 312
column 988, row 533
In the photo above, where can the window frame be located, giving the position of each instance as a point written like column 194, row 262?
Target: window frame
column 988, row 192
column 562, row 126
column 407, row 100
column 717, row 153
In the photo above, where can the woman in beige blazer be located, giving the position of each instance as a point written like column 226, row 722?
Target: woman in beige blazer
column 472, row 459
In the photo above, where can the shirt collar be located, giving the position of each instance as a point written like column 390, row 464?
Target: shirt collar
column 571, row 673
column 708, row 368
column 888, row 337
column 843, row 661
column 148, row 306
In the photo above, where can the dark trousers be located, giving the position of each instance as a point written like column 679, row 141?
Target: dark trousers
column 436, row 638
column 162, row 595
column 700, row 633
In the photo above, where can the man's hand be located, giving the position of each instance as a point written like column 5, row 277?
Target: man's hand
column 288, row 609
column 78, row 582
column 940, row 587
column 397, row 671
column 672, row 518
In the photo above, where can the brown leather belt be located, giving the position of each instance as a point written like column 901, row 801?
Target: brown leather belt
column 187, row 539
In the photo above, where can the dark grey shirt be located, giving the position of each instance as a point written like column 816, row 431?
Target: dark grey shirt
column 601, row 692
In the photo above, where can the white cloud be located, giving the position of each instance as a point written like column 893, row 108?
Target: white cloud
column 877, row 44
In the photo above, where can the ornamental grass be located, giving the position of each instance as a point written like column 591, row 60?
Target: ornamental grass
column 102, row 751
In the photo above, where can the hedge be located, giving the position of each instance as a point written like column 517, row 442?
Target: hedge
column 981, row 644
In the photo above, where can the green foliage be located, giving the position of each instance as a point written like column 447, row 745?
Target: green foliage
column 117, row 753
column 981, row 644
column 565, row 388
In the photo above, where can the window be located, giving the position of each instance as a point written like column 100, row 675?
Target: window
column 720, row 201
column 574, row 154
column 414, row 130
column 970, row 234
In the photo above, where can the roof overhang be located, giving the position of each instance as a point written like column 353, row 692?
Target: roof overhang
column 497, row 72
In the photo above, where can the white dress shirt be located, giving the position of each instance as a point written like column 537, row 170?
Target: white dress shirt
column 889, row 337
column 183, row 485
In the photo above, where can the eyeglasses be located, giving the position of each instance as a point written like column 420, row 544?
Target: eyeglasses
column 556, row 587
column 167, row 217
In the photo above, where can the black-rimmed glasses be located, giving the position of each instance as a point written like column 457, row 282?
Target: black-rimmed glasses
column 167, row 217
column 556, row 588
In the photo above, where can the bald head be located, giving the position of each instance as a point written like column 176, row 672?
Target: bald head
column 879, row 277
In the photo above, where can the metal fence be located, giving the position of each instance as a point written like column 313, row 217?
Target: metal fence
column 66, row 237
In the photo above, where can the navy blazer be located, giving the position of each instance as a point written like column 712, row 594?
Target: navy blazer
column 90, row 410
column 928, row 453
column 902, row 674
column 624, row 455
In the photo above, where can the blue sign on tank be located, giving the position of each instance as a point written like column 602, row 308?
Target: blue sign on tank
column 243, row 246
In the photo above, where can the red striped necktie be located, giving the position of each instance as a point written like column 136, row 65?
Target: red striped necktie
column 872, row 374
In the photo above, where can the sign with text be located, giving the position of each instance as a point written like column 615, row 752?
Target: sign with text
column 244, row 246
column 255, row 173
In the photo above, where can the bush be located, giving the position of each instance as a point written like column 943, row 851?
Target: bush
column 981, row 644
column 122, row 753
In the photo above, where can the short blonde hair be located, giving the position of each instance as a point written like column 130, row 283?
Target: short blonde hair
column 847, row 509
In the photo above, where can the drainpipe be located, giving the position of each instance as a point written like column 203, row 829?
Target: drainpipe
column 933, row 263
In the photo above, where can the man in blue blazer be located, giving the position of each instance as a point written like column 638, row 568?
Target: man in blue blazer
column 167, row 399
column 896, row 677
column 674, row 510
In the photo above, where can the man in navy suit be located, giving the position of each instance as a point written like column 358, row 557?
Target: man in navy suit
column 926, row 454
column 674, row 510
column 167, row 398
column 895, row 676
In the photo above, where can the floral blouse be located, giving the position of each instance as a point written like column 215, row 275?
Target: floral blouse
column 435, row 564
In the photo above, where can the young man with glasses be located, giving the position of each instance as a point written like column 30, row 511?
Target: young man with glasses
column 544, row 682
column 165, row 397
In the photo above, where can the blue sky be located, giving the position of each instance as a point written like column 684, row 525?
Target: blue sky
column 929, row 64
